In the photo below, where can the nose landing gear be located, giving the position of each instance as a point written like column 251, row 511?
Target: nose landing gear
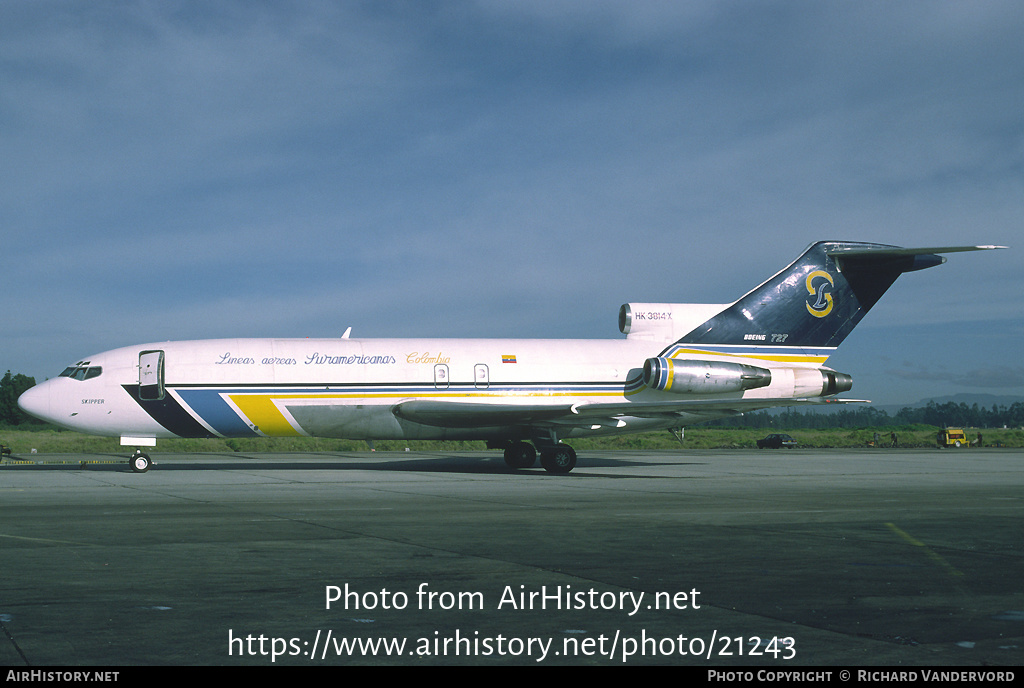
column 140, row 462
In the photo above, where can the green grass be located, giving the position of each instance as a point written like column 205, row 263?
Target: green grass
column 48, row 440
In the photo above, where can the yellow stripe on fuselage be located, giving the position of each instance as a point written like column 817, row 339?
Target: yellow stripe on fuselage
column 262, row 412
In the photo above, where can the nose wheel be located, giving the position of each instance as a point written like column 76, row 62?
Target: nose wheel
column 140, row 462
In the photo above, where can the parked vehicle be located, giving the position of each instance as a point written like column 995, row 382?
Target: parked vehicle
column 776, row 441
column 953, row 437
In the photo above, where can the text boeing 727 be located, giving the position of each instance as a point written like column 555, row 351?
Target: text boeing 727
column 678, row 364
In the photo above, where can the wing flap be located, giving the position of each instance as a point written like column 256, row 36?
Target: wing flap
column 455, row 414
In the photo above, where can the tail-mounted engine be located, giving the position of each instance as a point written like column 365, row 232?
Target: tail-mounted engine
column 703, row 377
column 820, row 382
column 682, row 376
column 663, row 321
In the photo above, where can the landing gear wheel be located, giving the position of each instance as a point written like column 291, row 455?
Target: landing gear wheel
column 520, row 455
column 140, row 462
column 561, row 459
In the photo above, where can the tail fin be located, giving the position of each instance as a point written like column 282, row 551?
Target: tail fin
column 806, row 310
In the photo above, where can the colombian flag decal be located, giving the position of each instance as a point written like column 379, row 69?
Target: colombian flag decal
column 507, row 358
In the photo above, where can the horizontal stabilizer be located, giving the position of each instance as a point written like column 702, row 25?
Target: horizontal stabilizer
column 877, row 256
column 899, row 251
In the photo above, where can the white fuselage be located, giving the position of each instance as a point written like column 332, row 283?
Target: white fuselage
column 349, row 388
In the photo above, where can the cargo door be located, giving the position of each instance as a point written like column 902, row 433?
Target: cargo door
column 151, row 375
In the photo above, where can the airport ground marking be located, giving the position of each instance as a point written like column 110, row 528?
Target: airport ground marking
column 949, row 568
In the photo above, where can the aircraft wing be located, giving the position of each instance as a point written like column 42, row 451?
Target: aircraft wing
column 719, row 406
column 454, row 414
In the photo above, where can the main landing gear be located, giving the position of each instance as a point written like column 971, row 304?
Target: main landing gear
column 140, row 462
column 560, row 458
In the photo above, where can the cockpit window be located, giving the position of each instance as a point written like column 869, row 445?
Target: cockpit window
column 82, row 372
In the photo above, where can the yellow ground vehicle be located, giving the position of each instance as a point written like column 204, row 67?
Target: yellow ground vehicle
column 953, row 437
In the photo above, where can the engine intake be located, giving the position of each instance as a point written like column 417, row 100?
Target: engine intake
column 703, row 377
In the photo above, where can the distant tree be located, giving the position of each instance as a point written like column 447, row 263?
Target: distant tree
column 859, row 416
column 11, row 387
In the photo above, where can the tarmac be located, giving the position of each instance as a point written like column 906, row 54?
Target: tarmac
column 711, row 558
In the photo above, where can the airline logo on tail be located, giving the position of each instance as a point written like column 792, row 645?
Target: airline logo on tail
column 819, row 286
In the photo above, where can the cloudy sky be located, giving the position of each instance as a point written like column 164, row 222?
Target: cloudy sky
column 179, row 170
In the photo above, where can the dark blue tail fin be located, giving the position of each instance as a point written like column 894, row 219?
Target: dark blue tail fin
column 806, row 310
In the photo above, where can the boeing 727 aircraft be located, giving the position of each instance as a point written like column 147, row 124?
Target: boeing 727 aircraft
column 678, row 364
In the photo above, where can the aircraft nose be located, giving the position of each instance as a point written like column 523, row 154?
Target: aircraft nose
column 36, row 402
